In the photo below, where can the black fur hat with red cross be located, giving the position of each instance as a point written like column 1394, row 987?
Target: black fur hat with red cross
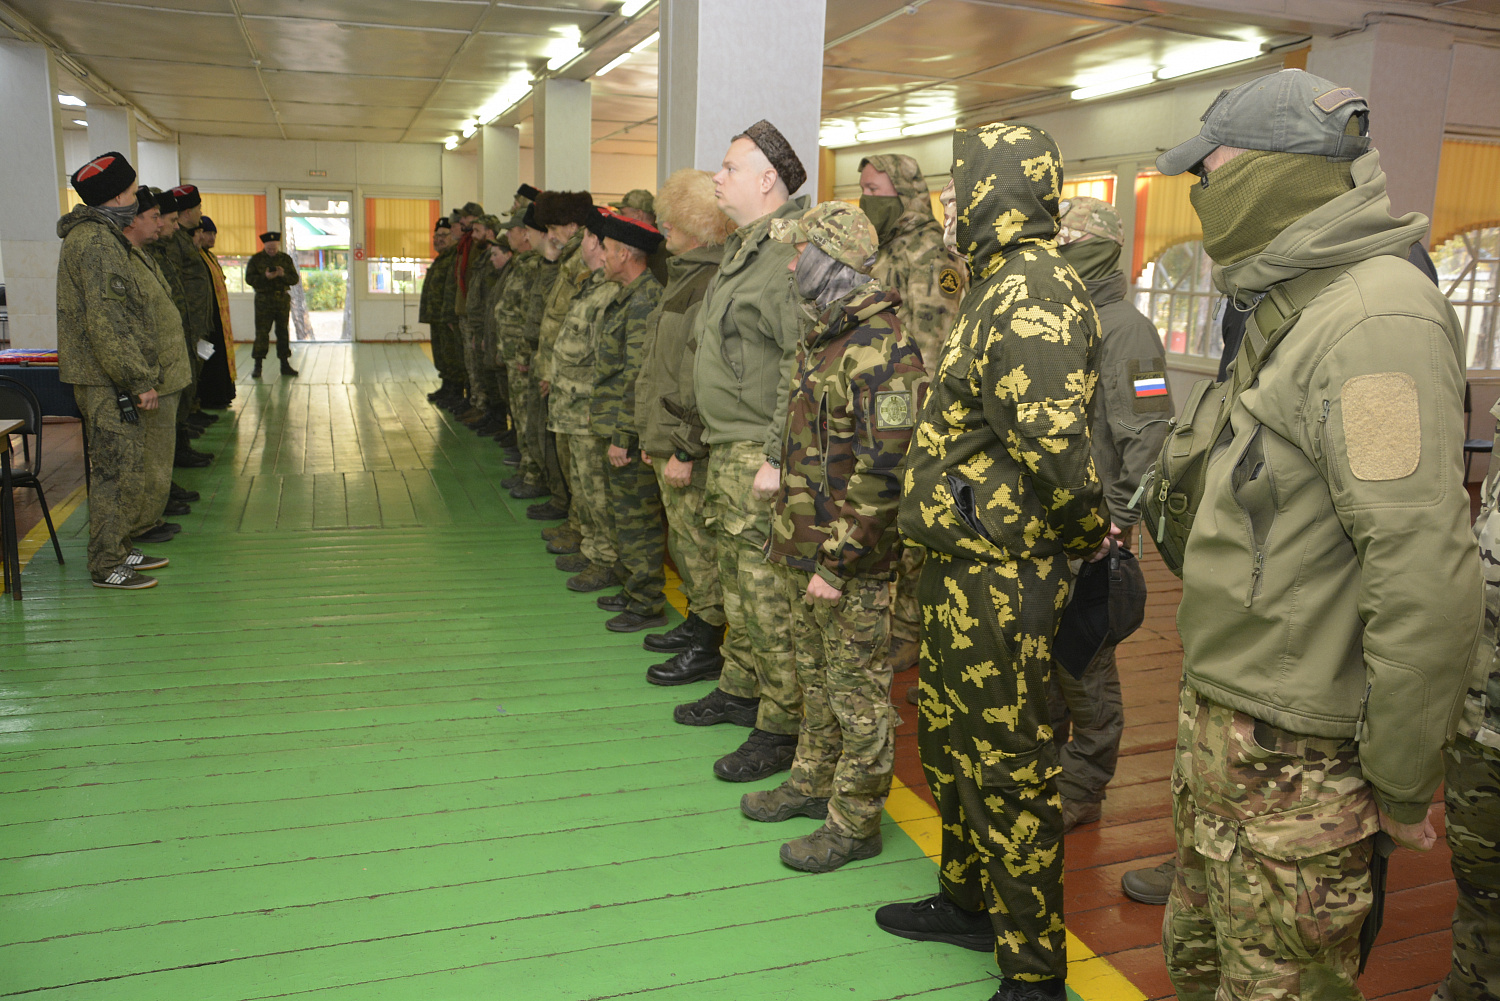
column 102, row 178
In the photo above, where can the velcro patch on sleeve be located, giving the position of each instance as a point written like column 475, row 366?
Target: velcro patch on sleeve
column 951, row 282
column 115, row 287
column 894, row 410
column 1382, row 425
column 1149, row 392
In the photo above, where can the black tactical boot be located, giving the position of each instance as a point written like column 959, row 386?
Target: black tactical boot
column 762, row 755
column 718, row 706
column 256, row 373
column 286, row 367
column 183, row 494
column 687, row 666
column 1021, row 990
column 690, row 632
column 188, row 457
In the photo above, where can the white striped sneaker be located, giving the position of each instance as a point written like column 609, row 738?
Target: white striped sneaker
column 122, row 578
column 138, row 560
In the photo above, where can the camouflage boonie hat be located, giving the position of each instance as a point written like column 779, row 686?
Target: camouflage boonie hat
column 1084, row 216
column 838, row 229
column 639, row 199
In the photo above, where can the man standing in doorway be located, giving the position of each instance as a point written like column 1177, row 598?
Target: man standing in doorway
column 271, row 273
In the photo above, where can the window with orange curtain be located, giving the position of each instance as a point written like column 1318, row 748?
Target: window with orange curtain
column 1164, row 215
column 240, row 219
column 1100, row 186
column 1465, row 243
column 398, row 243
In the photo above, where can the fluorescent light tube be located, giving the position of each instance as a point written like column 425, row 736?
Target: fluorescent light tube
column 1113, row 86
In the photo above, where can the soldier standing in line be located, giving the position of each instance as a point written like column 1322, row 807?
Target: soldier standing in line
column 455, row 306
column 475, row 285
column 1002, row 493
column 533, row 269
column 634, row 499
column 271, row 272
column 854, row 398
column 198, row 298
column 748, row 332
column 429, row 307
column 492, row 374
column 106, row 352
column 568, row 401
column 640, row 205
column 1127, row 425
column 160, row 249
column 666, row 413
column 929, row 280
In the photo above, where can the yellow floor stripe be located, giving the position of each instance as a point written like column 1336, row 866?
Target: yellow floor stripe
column 35, row 539
column 1091, row 977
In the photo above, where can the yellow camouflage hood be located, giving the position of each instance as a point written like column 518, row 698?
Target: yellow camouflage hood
column 1012, row 175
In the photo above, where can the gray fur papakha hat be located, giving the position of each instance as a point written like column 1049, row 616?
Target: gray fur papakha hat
column 769, row 140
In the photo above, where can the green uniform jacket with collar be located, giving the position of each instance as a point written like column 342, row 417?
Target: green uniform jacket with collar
column 104, row 335
column 163, row 323
column 520, row 278
column 197, row 285
column 1331, row 581
column 272, row 289
column 477, row 283
column 439, row 272
column 747, row 332
column 573, row 354
column 160, row 251
column 855, row 395
column 1001, row 467
column 620, row 344
column 666, row 409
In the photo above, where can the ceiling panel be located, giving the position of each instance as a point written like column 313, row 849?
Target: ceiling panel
column 332, row 48
column 147, row 76
column 453, row 14
column 342, row 88
column 1110, row 56
column 491, row 57
column 326, row 133
column 343, row 114
column 508, row 20
column 168, row 36
column 209, row 108
column 622, row 108
column 844, row 17
column 243, row 130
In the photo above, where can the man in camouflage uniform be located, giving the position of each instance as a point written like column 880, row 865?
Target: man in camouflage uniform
column 198, row 296
column 640, row 205
column 1331, row 588
column 666, row 411
column 1128, row 423
column 633, row 497
column 492, row 376
column 478, row 277
column 853, row 400
column 430, row 305
column 1001, row 490
column 748, row 331
column 272, row 273
column 1471, row 787
column 532, row 268
column 930, row 280
column 572, row 389
column 456, row 303
column 161, row 250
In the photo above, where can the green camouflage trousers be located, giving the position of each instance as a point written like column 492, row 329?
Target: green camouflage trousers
column 276, row 311
column 545, row 449
column 1088, row 722
column 564, row 445
column 758, row 630
column 906, row 610
column 161, row 448
column 692, row 543
column 471, row 344
column 847, row 744
column 1275, row 832
column 117, row 468
column 641, row 539
column 448, row 353
column 987, row 749
column 525, row 408
column 596, row 522
column 1471, row 790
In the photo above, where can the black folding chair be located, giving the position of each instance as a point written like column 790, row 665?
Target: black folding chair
column 18, row 402
column 1472, row 445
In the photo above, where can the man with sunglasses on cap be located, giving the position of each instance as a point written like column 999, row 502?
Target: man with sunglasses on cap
column 271, row 273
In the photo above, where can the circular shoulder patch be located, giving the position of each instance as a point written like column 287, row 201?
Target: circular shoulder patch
column 117, row 285
column 950, row 281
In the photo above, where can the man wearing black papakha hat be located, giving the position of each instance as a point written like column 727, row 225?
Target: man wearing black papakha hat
column 107, row 351
column 271, row 273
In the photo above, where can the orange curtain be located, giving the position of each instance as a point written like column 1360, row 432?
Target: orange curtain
column 1102, row 188
column 1164, row 215
column 399, row 227
column 236, row 217
column 1468, row 189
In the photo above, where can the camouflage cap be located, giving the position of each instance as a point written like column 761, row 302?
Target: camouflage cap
column 489, row 222
column 1084, row 216
column 470, row 209
column 838, row 229
column 639, row 199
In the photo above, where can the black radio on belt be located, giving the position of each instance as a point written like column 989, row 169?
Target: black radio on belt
column 127, row 407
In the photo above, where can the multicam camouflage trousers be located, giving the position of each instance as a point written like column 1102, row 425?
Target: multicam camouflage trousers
column 906, row 610
column 987, row 749
column 120, row 484
column 1088, row 722
column 587, row 471
column 758, row 632
column 640, row 536
column 1275, row 833
column 471, row 342
column 1471, row 790
column 692, row 544
column 847, row 743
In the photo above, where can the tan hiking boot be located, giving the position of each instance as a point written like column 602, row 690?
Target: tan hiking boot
column 771, row 806
column 825, row 851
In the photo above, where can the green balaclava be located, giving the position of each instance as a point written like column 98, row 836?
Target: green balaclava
column 1093, row 259
column 1246, row 203
column 884, row 212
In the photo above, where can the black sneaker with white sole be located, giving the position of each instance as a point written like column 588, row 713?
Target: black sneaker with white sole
column 138, row 560
column 122, row 578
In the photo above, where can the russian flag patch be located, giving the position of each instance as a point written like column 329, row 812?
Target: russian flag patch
column 1150, row 384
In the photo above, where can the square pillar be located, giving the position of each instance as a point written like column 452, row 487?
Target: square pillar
column 31, row 163
column 564, row 131
column 113, row 130
column 499, row 167
column 159, row 166
column 725, row 65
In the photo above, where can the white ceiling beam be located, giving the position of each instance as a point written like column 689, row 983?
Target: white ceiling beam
column 239, row 20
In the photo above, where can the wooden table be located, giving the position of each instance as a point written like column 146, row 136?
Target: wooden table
column 10, row 553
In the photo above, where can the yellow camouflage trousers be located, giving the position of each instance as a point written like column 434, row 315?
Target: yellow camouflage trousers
column 847, row 743
column 1275, row 832
column 758, row 633
column 596, row 524
column 987, row 749
column 692, row 544
column 1471, row 792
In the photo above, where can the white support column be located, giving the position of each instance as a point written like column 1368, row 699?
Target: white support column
column 564, row 134
column 159, row 166
column 1404, row 72
column 112, row 130
column 30, row 161
column 499, row 167
column 725, row 65
column 460, row 179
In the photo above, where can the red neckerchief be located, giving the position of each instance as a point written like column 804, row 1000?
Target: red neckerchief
column 464, row 243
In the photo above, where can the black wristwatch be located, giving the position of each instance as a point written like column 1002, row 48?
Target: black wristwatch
column 682, row 456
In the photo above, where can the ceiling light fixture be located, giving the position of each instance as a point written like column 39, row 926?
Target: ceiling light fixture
column 451, row 142
column 879, row 135
column 71, row 101
column 565, row 56
column 630, row 8
column 80, row 121
column 1220, row 55
column 837, row 137
column 1113, row 86
column 646, row 42
column 929, row 128
column 507, row 97
column 469, row 129
column 617, row 60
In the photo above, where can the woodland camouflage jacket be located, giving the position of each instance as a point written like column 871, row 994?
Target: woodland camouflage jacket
column 163, row 323
column 618, row 347
column 166, row 261
column 477, row 282
column 197, row 284
column 439, row 273
column 272, row 288
column 1000, row 466
column 103, row 315
column 854, row 397
column 573, row 357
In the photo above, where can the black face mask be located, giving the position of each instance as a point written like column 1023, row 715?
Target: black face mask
column 884, row 212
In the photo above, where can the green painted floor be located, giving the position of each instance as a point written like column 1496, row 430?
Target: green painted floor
column 362, row 744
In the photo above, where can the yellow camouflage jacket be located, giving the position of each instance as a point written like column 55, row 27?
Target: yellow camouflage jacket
column 855, row 393
column 1000, row 466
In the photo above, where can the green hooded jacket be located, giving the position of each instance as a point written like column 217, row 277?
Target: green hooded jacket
column 104, row 312
column 748, row 332
column 1000, row 466
column 1331, row 583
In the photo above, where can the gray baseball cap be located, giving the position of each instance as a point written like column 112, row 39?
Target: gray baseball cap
column 1291, row 111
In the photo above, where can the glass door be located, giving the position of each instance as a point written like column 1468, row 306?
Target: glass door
column 316, row 234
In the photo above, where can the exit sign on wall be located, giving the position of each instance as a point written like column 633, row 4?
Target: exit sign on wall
column 317, row 173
